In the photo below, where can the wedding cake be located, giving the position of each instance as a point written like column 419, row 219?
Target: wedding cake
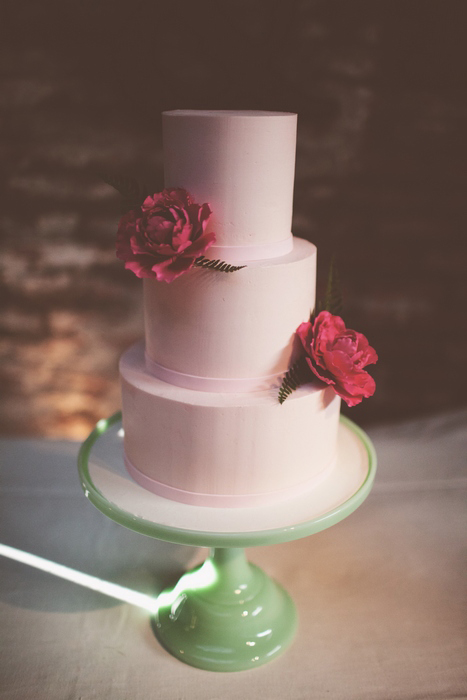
column 227, row 289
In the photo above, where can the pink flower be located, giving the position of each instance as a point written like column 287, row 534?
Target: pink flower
column 337, row 356
column 163, row 238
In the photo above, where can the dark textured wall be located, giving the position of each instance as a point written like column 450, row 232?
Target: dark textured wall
column 380, row 92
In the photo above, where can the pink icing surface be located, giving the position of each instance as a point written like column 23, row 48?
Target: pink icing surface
column 223, row 500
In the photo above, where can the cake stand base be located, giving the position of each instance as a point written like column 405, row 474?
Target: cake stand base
column 226, row 615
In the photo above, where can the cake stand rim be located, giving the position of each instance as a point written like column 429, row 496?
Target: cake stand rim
column 202, row 538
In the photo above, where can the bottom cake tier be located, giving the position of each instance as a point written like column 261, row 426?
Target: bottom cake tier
column 224, row 450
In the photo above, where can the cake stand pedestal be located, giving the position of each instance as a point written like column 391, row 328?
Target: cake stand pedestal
column 227, row 614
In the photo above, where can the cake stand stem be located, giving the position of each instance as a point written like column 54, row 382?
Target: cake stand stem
column 225, row 615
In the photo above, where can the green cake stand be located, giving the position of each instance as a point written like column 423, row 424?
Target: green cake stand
column 227, row 614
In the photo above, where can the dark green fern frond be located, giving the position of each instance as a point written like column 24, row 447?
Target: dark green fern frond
column 298, row 374
column 216, row 265
column 333, row 300
column 133, row 192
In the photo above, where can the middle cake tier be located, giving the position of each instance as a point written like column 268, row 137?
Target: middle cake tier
column 228, row 332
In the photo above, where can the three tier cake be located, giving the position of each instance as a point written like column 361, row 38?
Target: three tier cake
column 201, row 416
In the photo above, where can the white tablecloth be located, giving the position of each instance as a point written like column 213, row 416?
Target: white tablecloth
column 381, row 596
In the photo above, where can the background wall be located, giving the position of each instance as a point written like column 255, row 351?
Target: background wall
column 380, row 92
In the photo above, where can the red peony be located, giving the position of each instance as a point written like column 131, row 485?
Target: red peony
column 337, row 356
column 163, row 238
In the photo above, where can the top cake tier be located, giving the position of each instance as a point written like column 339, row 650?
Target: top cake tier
column 242, row 164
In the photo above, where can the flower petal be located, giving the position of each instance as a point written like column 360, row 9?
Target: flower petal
column 201, row 244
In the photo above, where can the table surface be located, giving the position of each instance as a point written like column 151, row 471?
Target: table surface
column 380, row 596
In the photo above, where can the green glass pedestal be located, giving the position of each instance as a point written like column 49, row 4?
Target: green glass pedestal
column 227, row 614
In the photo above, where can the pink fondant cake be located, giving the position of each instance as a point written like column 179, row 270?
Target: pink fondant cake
column 201, row 416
